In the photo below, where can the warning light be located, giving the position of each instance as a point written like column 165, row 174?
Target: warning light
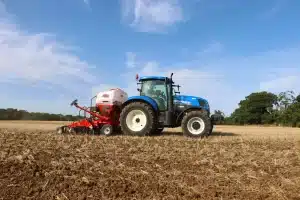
column 136, row 77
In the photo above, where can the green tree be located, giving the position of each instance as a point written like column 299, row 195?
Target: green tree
column 285, row 99
column 14, row 114
column 298, row 98
column 291, row 116
column 257, row 108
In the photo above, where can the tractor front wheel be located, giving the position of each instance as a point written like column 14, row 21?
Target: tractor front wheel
column 137, row 118
column 196, row 124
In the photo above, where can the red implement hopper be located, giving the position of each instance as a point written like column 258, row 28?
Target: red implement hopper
column 102, row 121
column 104, row 118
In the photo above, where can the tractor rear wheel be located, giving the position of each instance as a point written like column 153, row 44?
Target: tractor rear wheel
column 138, row 118
column 196, row 124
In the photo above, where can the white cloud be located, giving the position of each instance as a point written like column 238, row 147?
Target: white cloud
column 39, row 64
column 87, row 2
column 30, row 58
column 102, row 87
column 279, row 70
column 213, row 47
column 275, row 8
column 130, row 60
column 152, row 15
column 282, row 83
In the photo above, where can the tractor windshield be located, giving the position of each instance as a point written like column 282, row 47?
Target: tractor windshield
column 156, row 89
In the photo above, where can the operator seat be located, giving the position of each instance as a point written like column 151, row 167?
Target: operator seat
column 161, row 103
column 159, row 100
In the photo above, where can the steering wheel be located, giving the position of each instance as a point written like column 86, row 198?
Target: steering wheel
column 160, row 94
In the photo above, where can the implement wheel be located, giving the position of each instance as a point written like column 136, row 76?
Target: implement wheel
column 60, row 130
column 106, row 129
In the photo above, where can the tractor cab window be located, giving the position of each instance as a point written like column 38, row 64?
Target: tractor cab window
column 156, row 89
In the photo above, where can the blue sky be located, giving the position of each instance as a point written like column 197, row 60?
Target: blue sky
column 55, row 51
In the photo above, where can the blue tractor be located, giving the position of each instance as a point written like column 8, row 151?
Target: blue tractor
column 159, row 106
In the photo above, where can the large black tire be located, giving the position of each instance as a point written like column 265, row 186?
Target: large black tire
column 191, row 124
column 146, row 112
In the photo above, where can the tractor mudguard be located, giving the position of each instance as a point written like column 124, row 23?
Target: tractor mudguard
column 146, row 99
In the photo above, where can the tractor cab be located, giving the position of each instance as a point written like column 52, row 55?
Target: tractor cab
column 157, row 88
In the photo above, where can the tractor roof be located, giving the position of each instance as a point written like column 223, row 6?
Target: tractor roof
column 144, row 78
column 162, row 78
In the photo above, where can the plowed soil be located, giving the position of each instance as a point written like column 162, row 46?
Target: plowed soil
column 37, row 163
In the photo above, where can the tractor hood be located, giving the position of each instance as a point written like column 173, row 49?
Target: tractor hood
column 192, row 101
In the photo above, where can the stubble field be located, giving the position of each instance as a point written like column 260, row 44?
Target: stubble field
column 236, row 162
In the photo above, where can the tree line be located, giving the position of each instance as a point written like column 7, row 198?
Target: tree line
column 266, row 108
column 258, row 108
column 15, row 114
